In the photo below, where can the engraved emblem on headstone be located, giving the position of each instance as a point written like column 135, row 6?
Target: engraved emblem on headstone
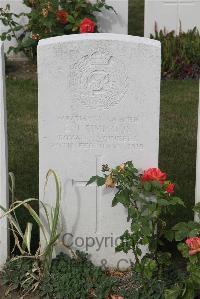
column 99, row 80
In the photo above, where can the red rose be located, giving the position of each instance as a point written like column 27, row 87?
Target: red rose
column 87, row 26
column 62, row 16
column 193, row 245
column 154, row 174
column 170, row 188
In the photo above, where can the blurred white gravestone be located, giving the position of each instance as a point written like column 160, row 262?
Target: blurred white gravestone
column 99, row 97
column 197, row 191
column 108, row 20
column 172, row 15
column 17, row 7
column 3, row 162
column 111, row 22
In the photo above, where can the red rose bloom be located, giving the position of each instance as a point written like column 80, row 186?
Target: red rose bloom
column 62, row 16
column 170, row 188
column 193, row 245
column 87, row 26
column 154, row 174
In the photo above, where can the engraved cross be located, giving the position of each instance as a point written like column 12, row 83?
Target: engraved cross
column 98, row 193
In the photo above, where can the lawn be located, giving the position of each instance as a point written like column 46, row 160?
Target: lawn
column 136, row 17
column 178, row 130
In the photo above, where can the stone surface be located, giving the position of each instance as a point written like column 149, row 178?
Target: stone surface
column 111, row 22
column 99, row 98
column 3, row 162
column 170, row 14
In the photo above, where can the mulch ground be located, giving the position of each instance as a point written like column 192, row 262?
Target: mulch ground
column 21, row 70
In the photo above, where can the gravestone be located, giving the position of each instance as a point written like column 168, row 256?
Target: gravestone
column 172, row 15
column 108, row 21
column 99, row 98
column 111, row 22
column 17, row 7
column 3, row 163
column 197, row 191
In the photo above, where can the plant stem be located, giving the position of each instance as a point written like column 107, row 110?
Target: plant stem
column 141, row 270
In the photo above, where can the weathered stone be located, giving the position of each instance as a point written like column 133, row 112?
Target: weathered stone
column 99, row 98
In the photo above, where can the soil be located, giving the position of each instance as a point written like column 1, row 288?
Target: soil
column 21, row 70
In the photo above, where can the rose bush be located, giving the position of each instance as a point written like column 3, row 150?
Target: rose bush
column 48, row 18
column 188, row 236
column 147, row 196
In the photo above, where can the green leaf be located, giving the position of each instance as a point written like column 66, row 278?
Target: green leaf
column 180, row 235
column 92, row 180
column 177, row 200
column 172, row 293
column 70, row 19
column 100, row 181
column 149, row 268
column 121, row 197
column 68, row 27
column 27, row 237
column 169, row 235
column 163, row 202
column 147, row 186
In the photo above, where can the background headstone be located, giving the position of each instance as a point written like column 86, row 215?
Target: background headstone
column 170, row 14
column 108, row 21
column 197, row 193
column 17, row 7
column 3, row 162
column 99, row 98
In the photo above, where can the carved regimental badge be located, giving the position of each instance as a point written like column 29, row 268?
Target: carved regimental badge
column 98, row 80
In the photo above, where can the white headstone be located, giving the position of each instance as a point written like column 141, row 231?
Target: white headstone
column 110, row 22
column 17, row 7
column 172, row 15
column 99, row 98
column 197, row 193
column 3, row 162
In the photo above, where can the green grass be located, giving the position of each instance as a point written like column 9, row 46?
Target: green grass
column 178, row 129
column 22, row 136
column 23, row 143
column 136, row 17
column 178, row 133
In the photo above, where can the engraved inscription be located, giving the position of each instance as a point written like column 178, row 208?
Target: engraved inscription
column 98, row 80
column 96, row 132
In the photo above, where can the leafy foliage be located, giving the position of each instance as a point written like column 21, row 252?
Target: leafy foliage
column 189, row 231
column 180, row 54
column 17, row 273
column 146, row 197
column 75, row 279
column 48, row 18
column 41, row 260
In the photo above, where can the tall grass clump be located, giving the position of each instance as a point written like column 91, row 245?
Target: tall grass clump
column 180, row 53
column 38, row 264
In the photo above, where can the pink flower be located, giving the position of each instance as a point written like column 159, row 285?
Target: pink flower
column 193, row 245
column 154, row 174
